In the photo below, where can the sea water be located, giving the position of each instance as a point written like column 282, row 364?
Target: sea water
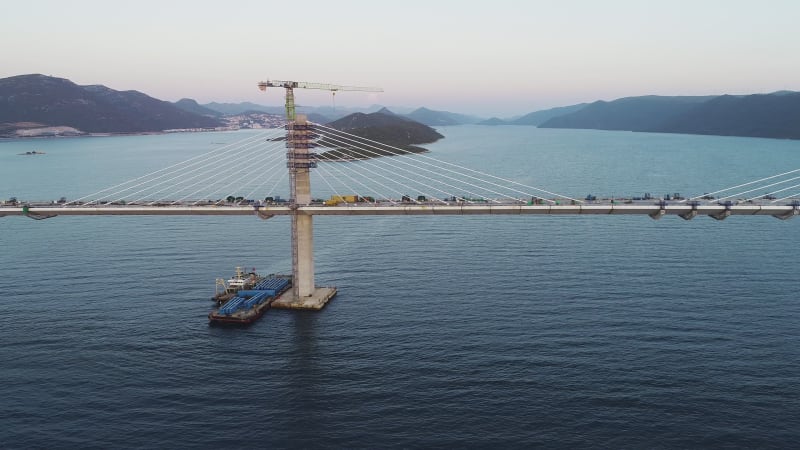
column 501, row 331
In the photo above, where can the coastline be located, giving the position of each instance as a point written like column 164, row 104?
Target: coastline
column 8, row 137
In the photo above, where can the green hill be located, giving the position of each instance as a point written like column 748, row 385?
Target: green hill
column 630, row 114
column 400, row 135
column 190, row 105
column 233, row 109
column 59, row 102
column 774, row 115
column 494, row 121
column 440, row 118
column 537, row 118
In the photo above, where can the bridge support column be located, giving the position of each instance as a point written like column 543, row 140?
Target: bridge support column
column 304, row 246
column 300, row 162
column 305, row 295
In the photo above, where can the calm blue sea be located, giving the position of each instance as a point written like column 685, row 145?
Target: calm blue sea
column 448, row 332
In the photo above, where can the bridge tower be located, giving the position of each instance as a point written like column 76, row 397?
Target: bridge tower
column 299, row 160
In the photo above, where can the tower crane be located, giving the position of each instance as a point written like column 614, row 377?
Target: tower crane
column 291, row 85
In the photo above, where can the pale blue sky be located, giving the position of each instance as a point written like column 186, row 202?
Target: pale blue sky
column 498, row 57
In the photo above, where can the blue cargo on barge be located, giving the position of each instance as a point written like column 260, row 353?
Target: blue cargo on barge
column 250, row 304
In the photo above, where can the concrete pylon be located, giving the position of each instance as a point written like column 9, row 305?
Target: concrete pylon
column 305, row 256
column 303, row 233
column 304, row 295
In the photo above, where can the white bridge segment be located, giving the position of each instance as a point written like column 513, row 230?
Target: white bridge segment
column 653, row 210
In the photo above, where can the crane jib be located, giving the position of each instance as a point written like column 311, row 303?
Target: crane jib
column 322, row 86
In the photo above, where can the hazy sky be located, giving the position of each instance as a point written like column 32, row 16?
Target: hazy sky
column 494, row 57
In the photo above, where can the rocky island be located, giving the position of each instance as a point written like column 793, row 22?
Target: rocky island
column 397, row 134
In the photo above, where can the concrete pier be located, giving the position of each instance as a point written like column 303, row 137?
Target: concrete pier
column 314, row 302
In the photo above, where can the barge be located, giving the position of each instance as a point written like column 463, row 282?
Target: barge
column 248, row 305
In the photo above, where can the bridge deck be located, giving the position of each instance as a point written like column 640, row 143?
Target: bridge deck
column 651, row 209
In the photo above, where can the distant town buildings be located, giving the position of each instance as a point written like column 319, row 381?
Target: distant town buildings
column 244, row 121
column 253, row 120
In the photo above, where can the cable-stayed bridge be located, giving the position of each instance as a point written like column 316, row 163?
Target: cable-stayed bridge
column 366, row 177
column 370, row 178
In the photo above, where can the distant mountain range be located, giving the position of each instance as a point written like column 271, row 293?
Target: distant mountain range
column 440, row 118
column 775, row 115
column 422, row 115
column 190, row 105
column 232, row 109
column 535, row 118
column 35, row 105
column 38, row 100
column 328, row 112
column 767, row 115
column 539, row 117
column 630, row 114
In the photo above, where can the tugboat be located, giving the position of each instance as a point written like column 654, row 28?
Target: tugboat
column 227, row 289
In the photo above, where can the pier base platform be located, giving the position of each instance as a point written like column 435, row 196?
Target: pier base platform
column 314, row 302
